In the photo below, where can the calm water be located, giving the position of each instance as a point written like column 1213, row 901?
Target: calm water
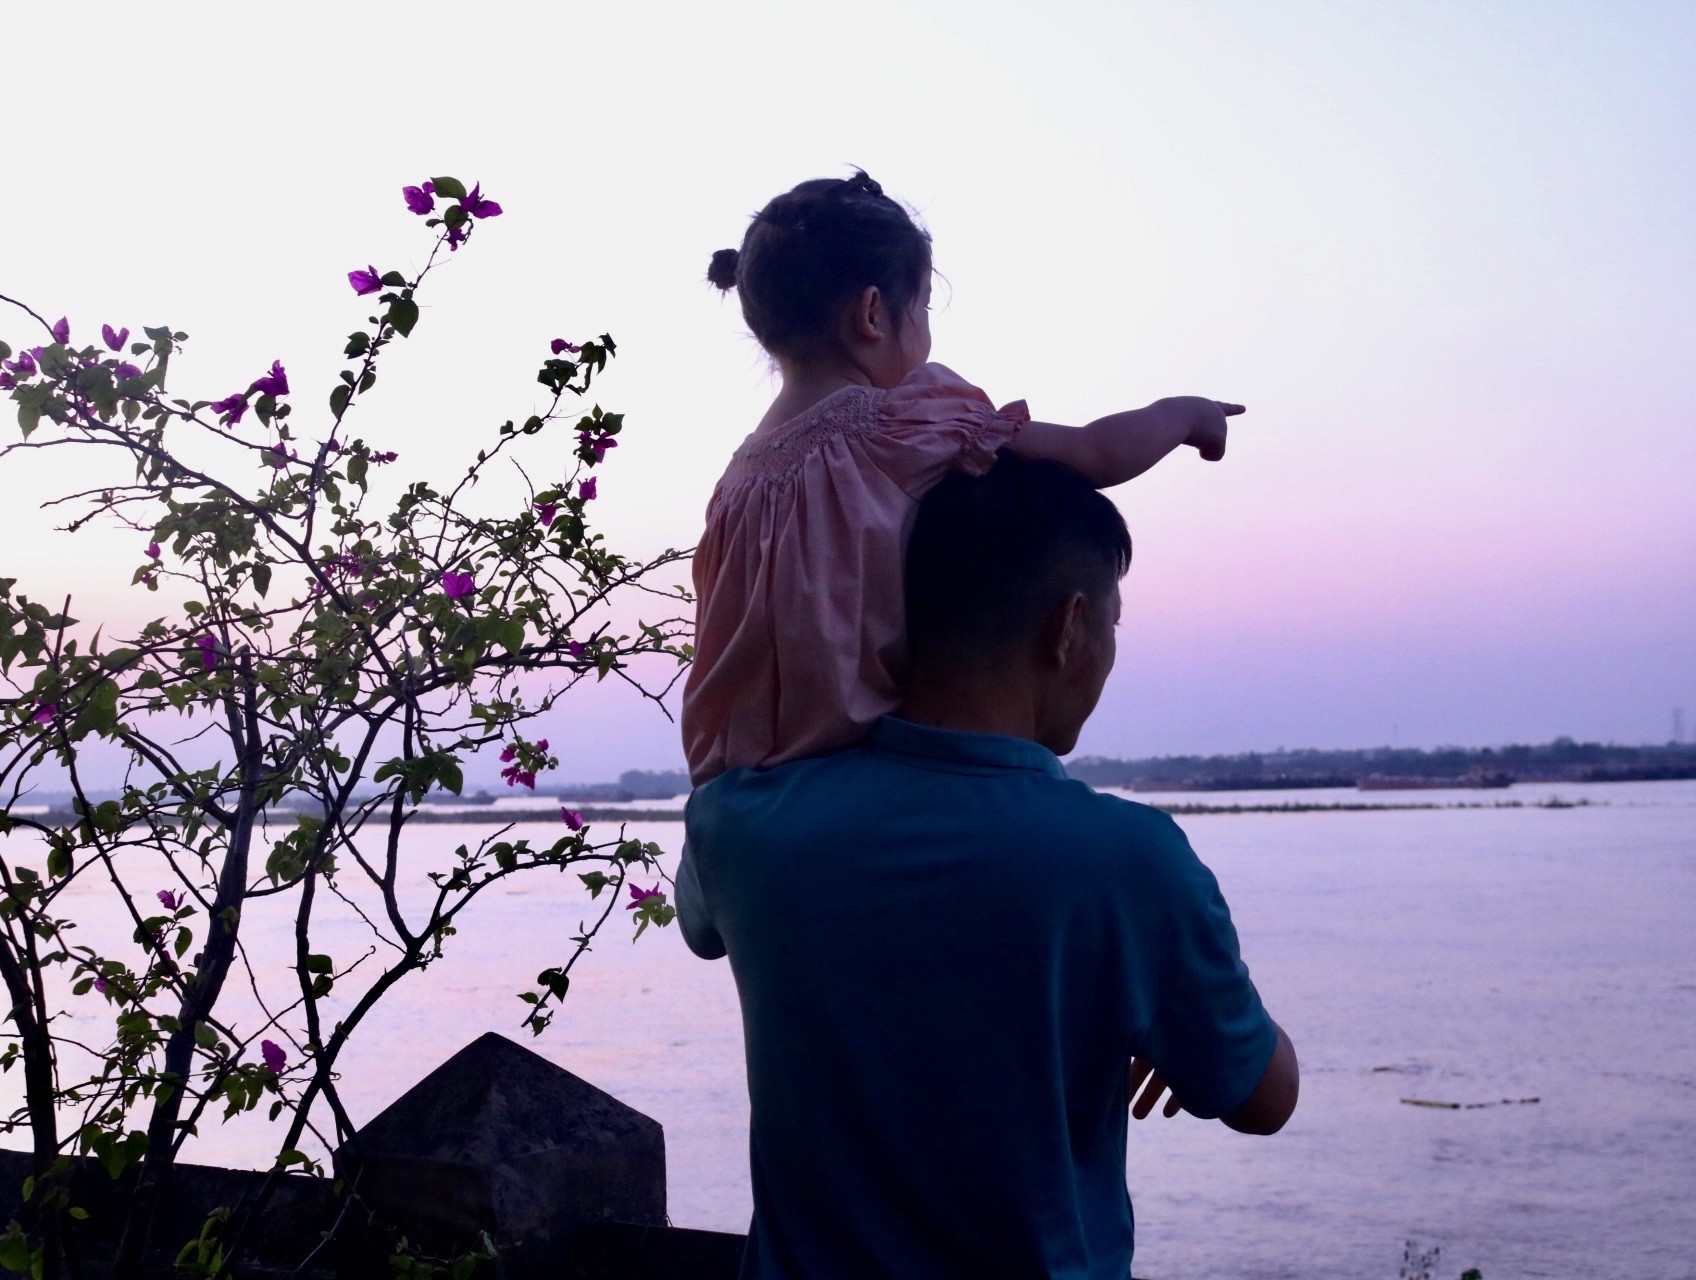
column 1453, row 955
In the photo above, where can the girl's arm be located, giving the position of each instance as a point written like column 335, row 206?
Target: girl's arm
column 1116, row 448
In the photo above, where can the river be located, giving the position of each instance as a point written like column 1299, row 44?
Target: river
column 1451, row 955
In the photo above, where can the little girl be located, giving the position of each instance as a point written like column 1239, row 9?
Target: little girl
column 799, row 635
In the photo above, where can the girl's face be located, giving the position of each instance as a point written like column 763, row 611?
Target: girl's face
column 914, row 342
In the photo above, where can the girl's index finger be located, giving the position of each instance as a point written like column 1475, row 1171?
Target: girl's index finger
column 1231, row 410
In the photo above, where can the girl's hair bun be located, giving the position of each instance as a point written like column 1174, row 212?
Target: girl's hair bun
column 862, row 183
column 722, row 272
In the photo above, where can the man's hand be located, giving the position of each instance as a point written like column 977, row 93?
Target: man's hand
column 1143, row 1073
column 1207, row 425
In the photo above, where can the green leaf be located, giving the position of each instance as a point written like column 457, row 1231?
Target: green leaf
column 403, row 315
column 339, row 398
column 318, row 964
column 261, row 578
column 205, row 1036
column 118, row 659
column 449, row 774
column 394, row 279
column 449, row 188
column 185, row 937
column 15, row 1252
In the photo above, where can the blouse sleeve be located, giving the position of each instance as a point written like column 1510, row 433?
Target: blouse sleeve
column 934, row 422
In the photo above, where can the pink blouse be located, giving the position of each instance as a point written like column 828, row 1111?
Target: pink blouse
column 799, row 631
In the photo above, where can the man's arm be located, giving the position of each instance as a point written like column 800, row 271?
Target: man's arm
column 1274, row 1098
column 1267, row 1109
column 1206, row 1031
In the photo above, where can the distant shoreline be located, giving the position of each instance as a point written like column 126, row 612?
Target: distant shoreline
column 489, row 816
column 1305, row 769
column 590, row 813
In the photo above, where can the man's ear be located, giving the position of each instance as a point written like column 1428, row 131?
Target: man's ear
column 1064, row 634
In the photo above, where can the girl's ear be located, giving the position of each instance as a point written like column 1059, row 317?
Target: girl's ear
column 870, row 317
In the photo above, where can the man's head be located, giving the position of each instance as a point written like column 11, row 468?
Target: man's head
column 1012, row 597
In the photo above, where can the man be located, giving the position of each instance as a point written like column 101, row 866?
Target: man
column 949, row 956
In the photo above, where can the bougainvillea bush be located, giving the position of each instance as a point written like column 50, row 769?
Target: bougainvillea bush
column 323, row 661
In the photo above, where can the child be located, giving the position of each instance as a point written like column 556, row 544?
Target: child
column 799, row 642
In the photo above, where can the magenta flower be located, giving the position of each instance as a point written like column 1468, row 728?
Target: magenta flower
column 7, row 382
column 153, row 551
column 126, row 370
column 596, row 444
column 230, row 408
column 571, row 818
column 115, row 338
column 379, row 459
column 509, row 753
column 100, row 985
column 24, row 363
column 458, row 585
column 208, row 646
column 639, row 896
column 45, row 712
column 367, row 281
column 275, row 383
column 560, row 345
column 546, row 511
column 587, row 490
column 514, row 775
column 277, row 456
column 419, row 199
column 171, row 901
column 62, row 330
column 477, row 206
column 275, row 1058
column 575, row 649
column 456, row 237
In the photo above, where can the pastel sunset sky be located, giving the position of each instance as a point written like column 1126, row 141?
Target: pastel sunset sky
column 1445, row 252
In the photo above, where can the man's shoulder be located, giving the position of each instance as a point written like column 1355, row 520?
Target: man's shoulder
column 1112, row 823
column 850, row 777
column 808, row 783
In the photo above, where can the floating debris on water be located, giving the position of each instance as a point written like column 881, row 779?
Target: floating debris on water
column 1467, row 1106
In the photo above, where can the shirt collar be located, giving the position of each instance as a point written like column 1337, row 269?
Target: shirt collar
column 956, row 746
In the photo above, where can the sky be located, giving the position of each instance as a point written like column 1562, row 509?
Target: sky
column 1443, row 251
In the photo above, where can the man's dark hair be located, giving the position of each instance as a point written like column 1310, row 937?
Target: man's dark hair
column 992, row 556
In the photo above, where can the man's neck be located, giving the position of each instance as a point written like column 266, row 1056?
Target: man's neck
column 970, row 701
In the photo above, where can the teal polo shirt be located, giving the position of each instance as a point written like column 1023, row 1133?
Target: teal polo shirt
column 947, row 954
